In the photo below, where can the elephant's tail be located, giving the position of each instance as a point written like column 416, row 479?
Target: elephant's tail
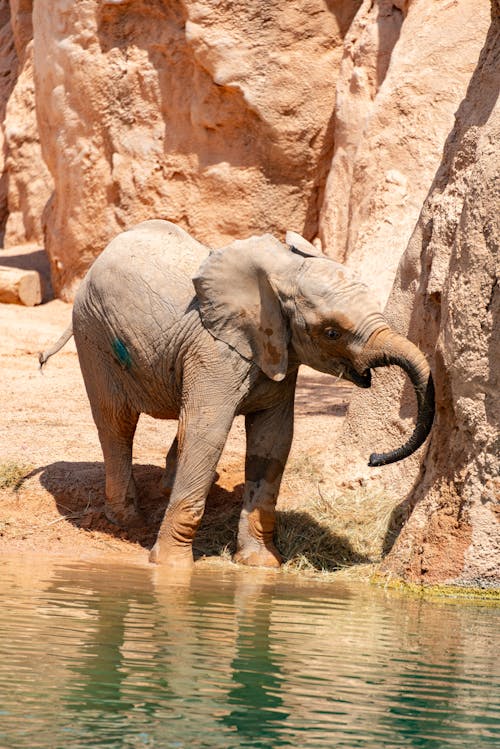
column 44, row 355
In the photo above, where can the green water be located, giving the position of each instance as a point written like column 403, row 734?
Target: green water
column 103, row 656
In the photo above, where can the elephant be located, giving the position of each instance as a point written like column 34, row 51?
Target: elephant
column 167, row 327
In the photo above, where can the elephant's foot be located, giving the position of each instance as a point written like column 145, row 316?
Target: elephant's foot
column 121, row 507
column 259, row 557
column 174, row 546
column 127, row 516
column 255, row 546
column 177, row 557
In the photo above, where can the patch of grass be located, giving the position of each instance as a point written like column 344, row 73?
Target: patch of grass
column 337, row 530
column 328, row 528
column 12, row 475
column 320, row 528
column 329, row 531
column 301, row 470
column 450, row 593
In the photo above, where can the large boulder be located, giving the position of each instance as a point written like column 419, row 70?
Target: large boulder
column 212, row 115
column 223, row 117
column 446, row 298
column 26, row 183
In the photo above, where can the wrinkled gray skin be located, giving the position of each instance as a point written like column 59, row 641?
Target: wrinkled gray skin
column 150, row 342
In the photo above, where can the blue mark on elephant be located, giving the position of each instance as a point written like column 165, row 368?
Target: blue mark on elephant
column 122, row 353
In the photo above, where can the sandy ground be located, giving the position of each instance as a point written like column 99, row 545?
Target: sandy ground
column 48, row 438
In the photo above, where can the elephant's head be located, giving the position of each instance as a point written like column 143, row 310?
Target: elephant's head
column 277, row 305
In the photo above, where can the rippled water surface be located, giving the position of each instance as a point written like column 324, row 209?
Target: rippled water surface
column 102, row 656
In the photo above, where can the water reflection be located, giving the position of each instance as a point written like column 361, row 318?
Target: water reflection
column 101, row 656
column 255, row 697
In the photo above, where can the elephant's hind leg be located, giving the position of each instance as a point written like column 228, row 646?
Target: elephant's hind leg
column 116, row 422
column 116, row 436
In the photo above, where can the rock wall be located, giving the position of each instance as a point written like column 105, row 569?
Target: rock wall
column 405, row 70
column 211, row 114
column 8, row 73
column 224, row 117
column 446, row 298
column 25, row 184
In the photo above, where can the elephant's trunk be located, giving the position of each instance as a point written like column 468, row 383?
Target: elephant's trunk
column 384, row 348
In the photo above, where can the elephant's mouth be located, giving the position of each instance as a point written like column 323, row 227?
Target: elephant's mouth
column 363, row 380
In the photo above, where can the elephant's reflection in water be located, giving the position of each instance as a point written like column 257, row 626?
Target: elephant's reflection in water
column 96, row 654
column 176, row 656
column 220, row 654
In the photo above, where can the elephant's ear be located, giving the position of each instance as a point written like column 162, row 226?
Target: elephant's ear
column 297, row 243
column 239, row 302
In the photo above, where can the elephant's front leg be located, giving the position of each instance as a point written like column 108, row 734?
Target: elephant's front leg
column 269, row 437
column 202, row 434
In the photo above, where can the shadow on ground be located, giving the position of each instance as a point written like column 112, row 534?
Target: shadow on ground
column 322, row 394
column 78, row 490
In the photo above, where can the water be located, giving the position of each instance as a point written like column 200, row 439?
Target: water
column 102, row 656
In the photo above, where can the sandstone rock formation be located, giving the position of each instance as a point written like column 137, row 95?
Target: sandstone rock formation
column 223, row 117
column 213, row 115
column 26, row 183
column 446, row 297
column 405, row 69
column 7, row 79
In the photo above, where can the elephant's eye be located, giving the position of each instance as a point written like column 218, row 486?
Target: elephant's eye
column 332, row 334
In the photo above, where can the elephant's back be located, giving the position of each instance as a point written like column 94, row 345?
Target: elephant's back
column 163, row 245
column 139, row 289
column 131, row 309
column 150, row 264
column 154, row 251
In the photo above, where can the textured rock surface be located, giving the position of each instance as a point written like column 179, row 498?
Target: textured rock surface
column 210, row 114
column 223, row 116
column 8, row 73
column 400, row 82
column 29, row 184
column 446, row 297
column 26, row 183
